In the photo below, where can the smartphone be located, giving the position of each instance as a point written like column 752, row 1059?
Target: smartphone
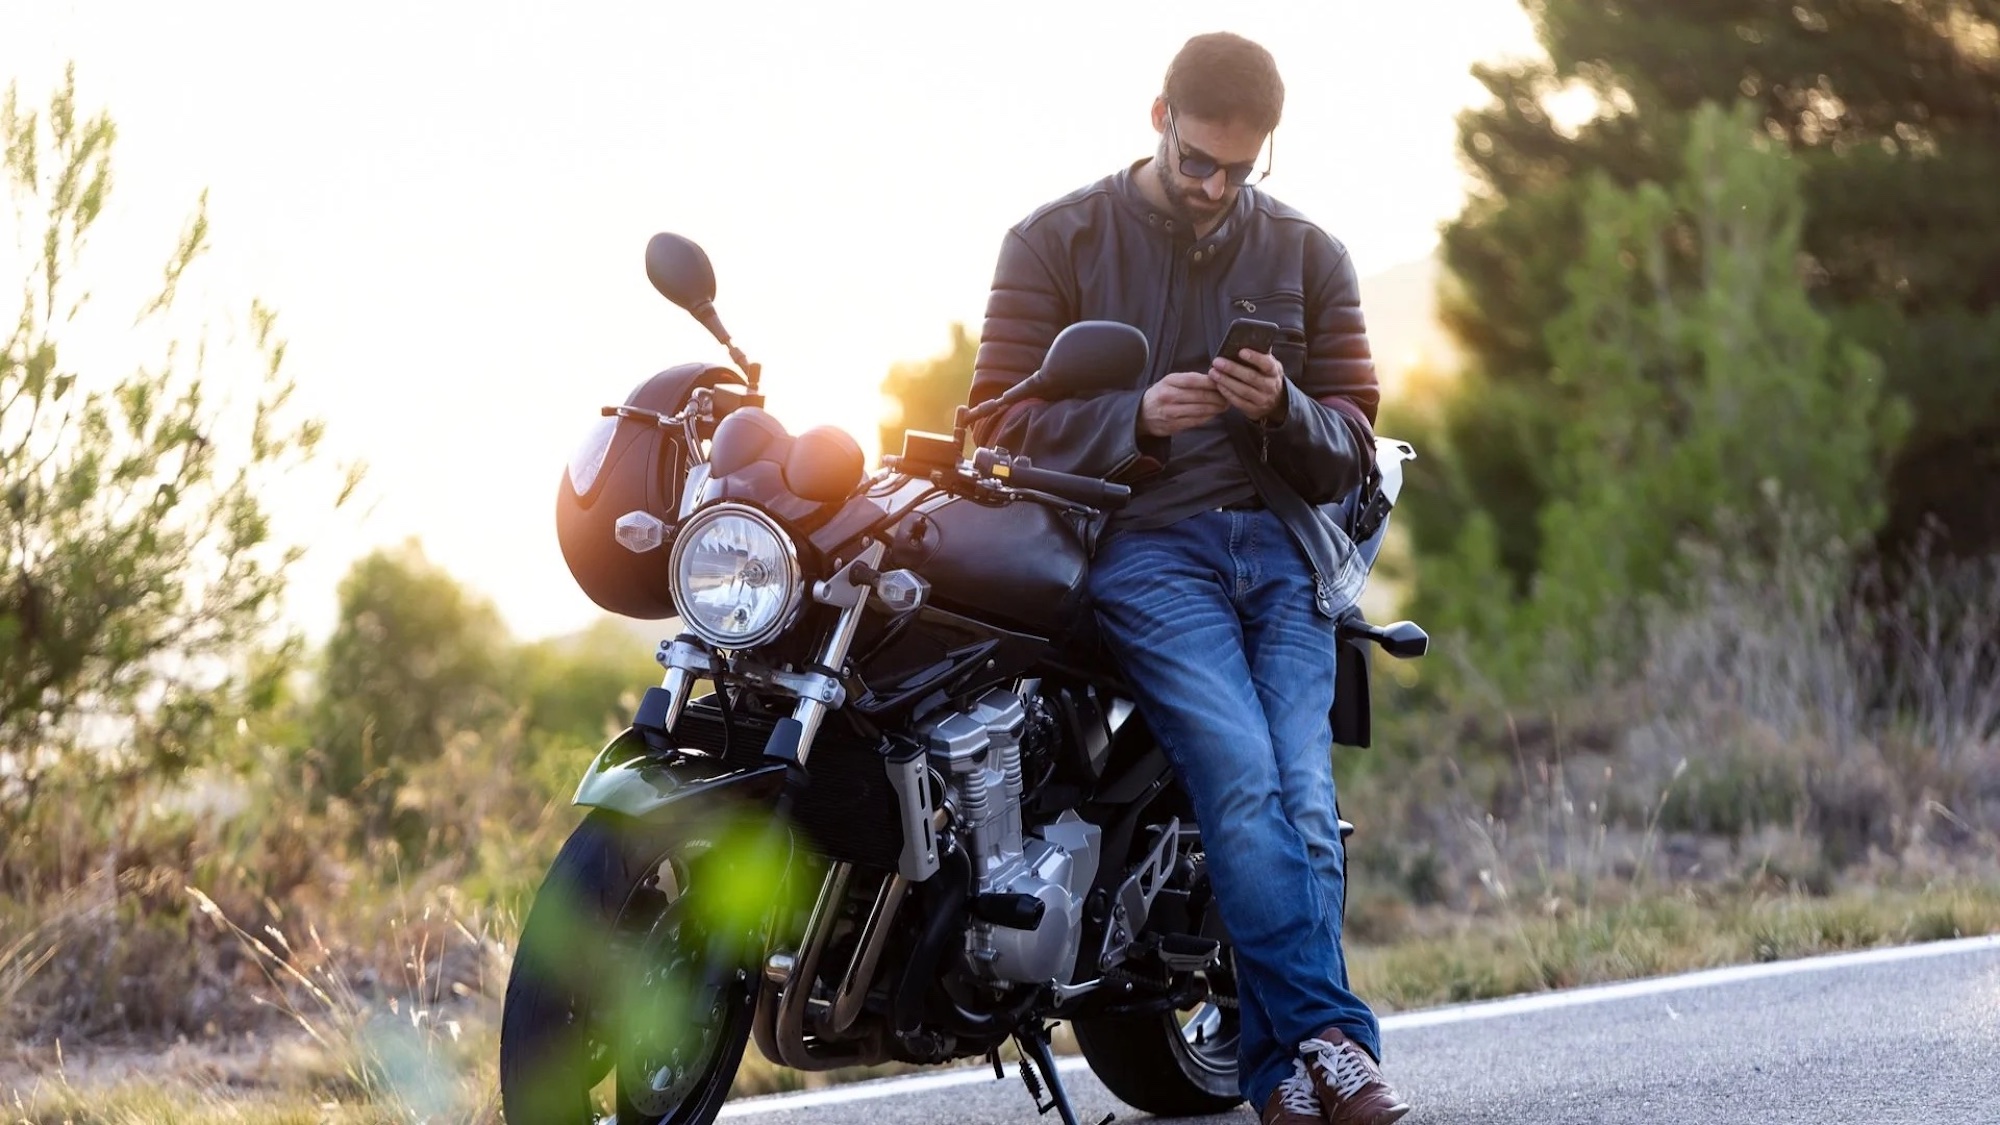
column 1257, row 335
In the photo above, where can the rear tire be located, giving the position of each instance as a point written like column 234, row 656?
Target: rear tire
column 1163, row 1066
column 601, row 937
column 1176, row 1063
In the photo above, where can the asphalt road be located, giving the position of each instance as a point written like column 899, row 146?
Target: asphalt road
column 1892, row 1036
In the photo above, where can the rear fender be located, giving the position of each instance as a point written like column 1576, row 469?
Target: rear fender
column 634, row 779
column 1353, row 706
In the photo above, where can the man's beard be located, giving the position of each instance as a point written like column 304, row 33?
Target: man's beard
column 1191, row 207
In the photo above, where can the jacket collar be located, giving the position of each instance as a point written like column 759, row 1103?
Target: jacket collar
column 1125, row 186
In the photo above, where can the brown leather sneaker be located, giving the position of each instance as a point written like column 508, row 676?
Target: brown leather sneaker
column 1295, row 1101
column 1350, row 1086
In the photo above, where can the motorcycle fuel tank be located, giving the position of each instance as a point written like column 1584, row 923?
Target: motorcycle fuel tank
column 1018, row 564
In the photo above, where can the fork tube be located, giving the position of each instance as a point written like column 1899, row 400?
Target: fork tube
column 679, row 684
column 811, row 712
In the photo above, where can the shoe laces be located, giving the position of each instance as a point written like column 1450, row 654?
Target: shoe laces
column 1297, row 1094
column 1344, row 1065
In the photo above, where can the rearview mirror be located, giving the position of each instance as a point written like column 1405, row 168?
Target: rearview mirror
column 680, row 270
column 1088, row 357
column 1405, row 640
column 1093, row 356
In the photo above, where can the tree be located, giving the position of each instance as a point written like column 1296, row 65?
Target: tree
column 1708, row 386
column 1892, row 108
column 421, row 693
column 578, row 689
column 929, row 392
column 414, row 659
column 139, row 570
column 1710, row 406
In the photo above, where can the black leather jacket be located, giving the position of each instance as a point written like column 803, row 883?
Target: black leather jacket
column 1104, row 253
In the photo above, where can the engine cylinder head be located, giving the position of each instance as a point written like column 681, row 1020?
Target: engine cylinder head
column 958, row 742
column 1002, row 714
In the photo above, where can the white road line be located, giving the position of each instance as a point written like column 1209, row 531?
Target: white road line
column 1432, row 1017
column 1735, row 974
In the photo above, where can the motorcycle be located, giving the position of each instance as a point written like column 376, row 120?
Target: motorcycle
column 914, row 815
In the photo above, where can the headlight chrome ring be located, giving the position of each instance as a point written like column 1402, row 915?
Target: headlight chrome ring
column 737, row 583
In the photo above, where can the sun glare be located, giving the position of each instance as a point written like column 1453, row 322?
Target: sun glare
column 451, row 236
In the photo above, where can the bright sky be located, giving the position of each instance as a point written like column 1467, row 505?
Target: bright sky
column 448, row 203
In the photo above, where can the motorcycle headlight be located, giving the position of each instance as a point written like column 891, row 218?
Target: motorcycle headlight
column 736, row 580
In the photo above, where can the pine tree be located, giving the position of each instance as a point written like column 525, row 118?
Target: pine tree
column 1892, row 108
column 1709, row 404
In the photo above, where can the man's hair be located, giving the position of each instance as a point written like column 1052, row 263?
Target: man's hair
column 1225, row 78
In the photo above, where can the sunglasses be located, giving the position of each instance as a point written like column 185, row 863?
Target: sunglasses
column 1198, row 165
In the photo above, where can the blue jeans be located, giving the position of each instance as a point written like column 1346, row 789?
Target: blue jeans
column 1212, row 621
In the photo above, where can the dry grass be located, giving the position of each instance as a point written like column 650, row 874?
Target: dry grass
column 422, row 1051
column 58, row 1102
column 1785, row 778
column 403, row 1049
column 230, row 910
column 349, row 1068
column 1656, row 935
column 1782, row 733
column 20, row 960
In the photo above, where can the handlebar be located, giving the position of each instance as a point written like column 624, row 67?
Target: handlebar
column 1017, row 471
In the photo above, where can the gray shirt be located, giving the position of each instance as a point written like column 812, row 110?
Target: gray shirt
column 1202, row 472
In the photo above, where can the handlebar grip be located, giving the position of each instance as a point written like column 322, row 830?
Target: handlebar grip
column 1100, row 494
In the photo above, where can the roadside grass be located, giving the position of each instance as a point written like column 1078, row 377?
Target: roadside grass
column 178, row 1103
column 235, row 947
column 1485, row 959
column 360, row 1064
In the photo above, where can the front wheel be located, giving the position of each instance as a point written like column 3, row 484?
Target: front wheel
column 604, row 984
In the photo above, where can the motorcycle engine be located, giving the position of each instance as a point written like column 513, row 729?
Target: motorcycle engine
column 977, row 750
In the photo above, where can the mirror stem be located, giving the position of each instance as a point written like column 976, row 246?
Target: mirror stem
column 1026, row 388
column 751, row 371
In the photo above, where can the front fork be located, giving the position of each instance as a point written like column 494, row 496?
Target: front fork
column 732, row 952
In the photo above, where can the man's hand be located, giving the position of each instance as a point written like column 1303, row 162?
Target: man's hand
column 1255, row 384
column 1179, row 402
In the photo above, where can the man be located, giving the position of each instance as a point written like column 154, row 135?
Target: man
column 1217, row 588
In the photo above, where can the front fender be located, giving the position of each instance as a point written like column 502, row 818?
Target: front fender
column 633, row 779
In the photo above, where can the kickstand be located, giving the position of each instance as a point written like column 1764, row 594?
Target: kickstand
column 1033, row 1040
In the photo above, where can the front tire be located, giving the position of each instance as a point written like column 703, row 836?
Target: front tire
column 599, row 983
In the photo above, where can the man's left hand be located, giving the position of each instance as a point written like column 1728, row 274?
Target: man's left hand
column 1255, row 384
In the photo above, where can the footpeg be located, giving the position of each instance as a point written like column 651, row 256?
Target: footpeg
column 1133, row 902
column 1186, row 953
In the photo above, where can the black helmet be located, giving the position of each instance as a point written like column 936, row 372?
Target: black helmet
column 631, row 469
